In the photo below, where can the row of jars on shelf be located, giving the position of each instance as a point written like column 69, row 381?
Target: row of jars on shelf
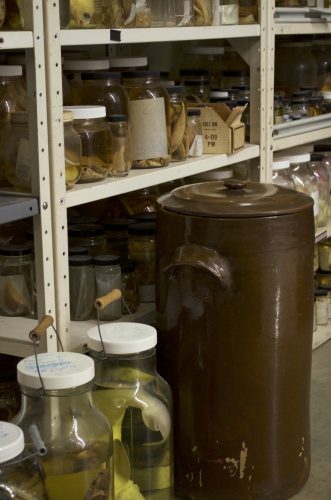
column 119, row 407
column 301, row 3
column 310, row 174
column 302, row 104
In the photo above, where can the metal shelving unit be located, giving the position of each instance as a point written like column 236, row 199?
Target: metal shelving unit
column 13, row 208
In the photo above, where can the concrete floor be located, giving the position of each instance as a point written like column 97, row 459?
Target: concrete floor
column 318, row 486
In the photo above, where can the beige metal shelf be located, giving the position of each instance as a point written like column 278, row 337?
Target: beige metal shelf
column 304, row 131
column 16, row 40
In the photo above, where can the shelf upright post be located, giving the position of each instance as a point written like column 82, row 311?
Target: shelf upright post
column 57, row 166
column 38, row 138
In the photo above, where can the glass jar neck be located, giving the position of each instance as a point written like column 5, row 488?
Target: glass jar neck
column 144, row 361
column 143, row 81
column 74, row 392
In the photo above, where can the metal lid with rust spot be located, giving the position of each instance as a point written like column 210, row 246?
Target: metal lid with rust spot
column 233, row 198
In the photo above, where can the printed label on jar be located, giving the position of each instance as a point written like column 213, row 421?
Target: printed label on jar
column 149, row 130
column 197, row 146
column 314, row 195
column 23, row 162
column 15, row 297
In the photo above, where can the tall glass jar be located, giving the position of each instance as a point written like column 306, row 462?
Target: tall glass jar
column 138, row 404
column 197, row 90
column 203, row 58
column 137, row 14
column 323, row 182
column 107, row 272
column 10, row 398
column 226, row 11
column 117, row 235
column 163, row 13
column 281, row 174
column 90, row 123
column 12, row 98
column 178, row 123
column 142, row 250
column 324, row 255
column 203, row 12
column 72, row 71
column 194, row 133
column 77, row 437
column 184, row 12
column 148, row 118
column 121, row 148
column 17, row 158
column 20, row 474
column 82, row 287
column 104, row 88
column 83, row 14
column 91, row 236
column 321, row 51
column 72, row 151
column 248, row 11
column 130, row 293
column 16, row 281
column 278, row 109
column 108, row 14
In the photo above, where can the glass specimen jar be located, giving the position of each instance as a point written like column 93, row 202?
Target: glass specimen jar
column 315, row 106
column 197, row 91
column 130, row 294
column 138, row 404
column 16, row 281
column 83, row 14
column 107, row 272
column 202, row 57
column 10, row 398
column 184, row 12
column 72, row 71
column 12, row 98
column 324, row 255
column 278, row 109
column 90, row 123
column 142, row 200
column 248, row 11
column 90, row 236
column 203, row 12
column 21, row 476
column 194, row 133
column 321, row 52
column 17, row 158
column 235, row 78
column 281, row 174
column 77, row 437
column 148, row 118
column 323, row 182
column 104, row 88
column 178, row 122
column 142, row 250
column 72, row 151
column 82, row 287
column 226, row 11
column 322, row 306
column 108, row 14
column 117, row 235
column 137, row 13
column 121, row 149
column 300, row 102
column 64, row 13
column 163, row 13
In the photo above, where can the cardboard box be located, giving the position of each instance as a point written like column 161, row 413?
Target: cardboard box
column 222, row 129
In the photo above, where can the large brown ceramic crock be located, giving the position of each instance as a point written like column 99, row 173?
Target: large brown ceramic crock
column 235, row 314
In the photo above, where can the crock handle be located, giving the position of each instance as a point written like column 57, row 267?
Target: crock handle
column 203, row 258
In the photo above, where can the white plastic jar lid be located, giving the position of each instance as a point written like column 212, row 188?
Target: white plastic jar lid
column 205, row 51
column 128, row 62
column 58, row 370
column 85, row 64
column 280, row 164
column 326, row 94
column 11, row 441
column 11, row 70
column 68, row 116
column 219, row 94
column 122, row 338
column 86, row 112
column 294, row 159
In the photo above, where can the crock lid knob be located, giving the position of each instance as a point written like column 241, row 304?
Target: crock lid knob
column 235, row 184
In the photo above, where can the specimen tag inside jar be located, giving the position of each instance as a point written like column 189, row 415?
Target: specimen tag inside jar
column 149, row 130
column 23, row 162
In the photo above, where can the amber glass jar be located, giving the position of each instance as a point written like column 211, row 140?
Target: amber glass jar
column 148, row 118
column 90, row 123
column 104, row 88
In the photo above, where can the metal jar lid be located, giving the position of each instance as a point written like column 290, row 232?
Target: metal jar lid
column 234, row 199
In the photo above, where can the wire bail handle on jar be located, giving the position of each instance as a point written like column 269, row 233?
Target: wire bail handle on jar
column 36, row 334
column 100, row 304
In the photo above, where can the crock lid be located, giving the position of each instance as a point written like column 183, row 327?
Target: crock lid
column 11, row 441
column 59, row 370
column 233, row 198
column 122, row 338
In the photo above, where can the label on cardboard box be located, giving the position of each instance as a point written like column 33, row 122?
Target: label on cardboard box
column 223, row 130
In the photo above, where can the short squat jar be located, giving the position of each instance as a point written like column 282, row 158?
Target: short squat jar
column 138, row 405
column 16, row 281
column 90, row 123
column 77, row 437
column 107, row 272
column 21, row 476
column 82, row 287
column 281, row 174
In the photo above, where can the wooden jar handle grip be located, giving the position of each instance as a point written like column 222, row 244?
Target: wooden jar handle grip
column 104, row 301
column 44, row 323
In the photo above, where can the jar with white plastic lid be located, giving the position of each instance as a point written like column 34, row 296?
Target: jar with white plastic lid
column 149, row 119
column 209, row 58
column 91, row 124
column 77, row 464
column 137, row 402
column 12, row 98
column 104, row 88
column 281, row 174
column 73, row 68
column 72, row 151
column 323, row 182
column 21, row 476
column 17, row 152
column 304, row 179
column 128, row 63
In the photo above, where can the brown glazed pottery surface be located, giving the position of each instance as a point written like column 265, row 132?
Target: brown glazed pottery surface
column 235, row 313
